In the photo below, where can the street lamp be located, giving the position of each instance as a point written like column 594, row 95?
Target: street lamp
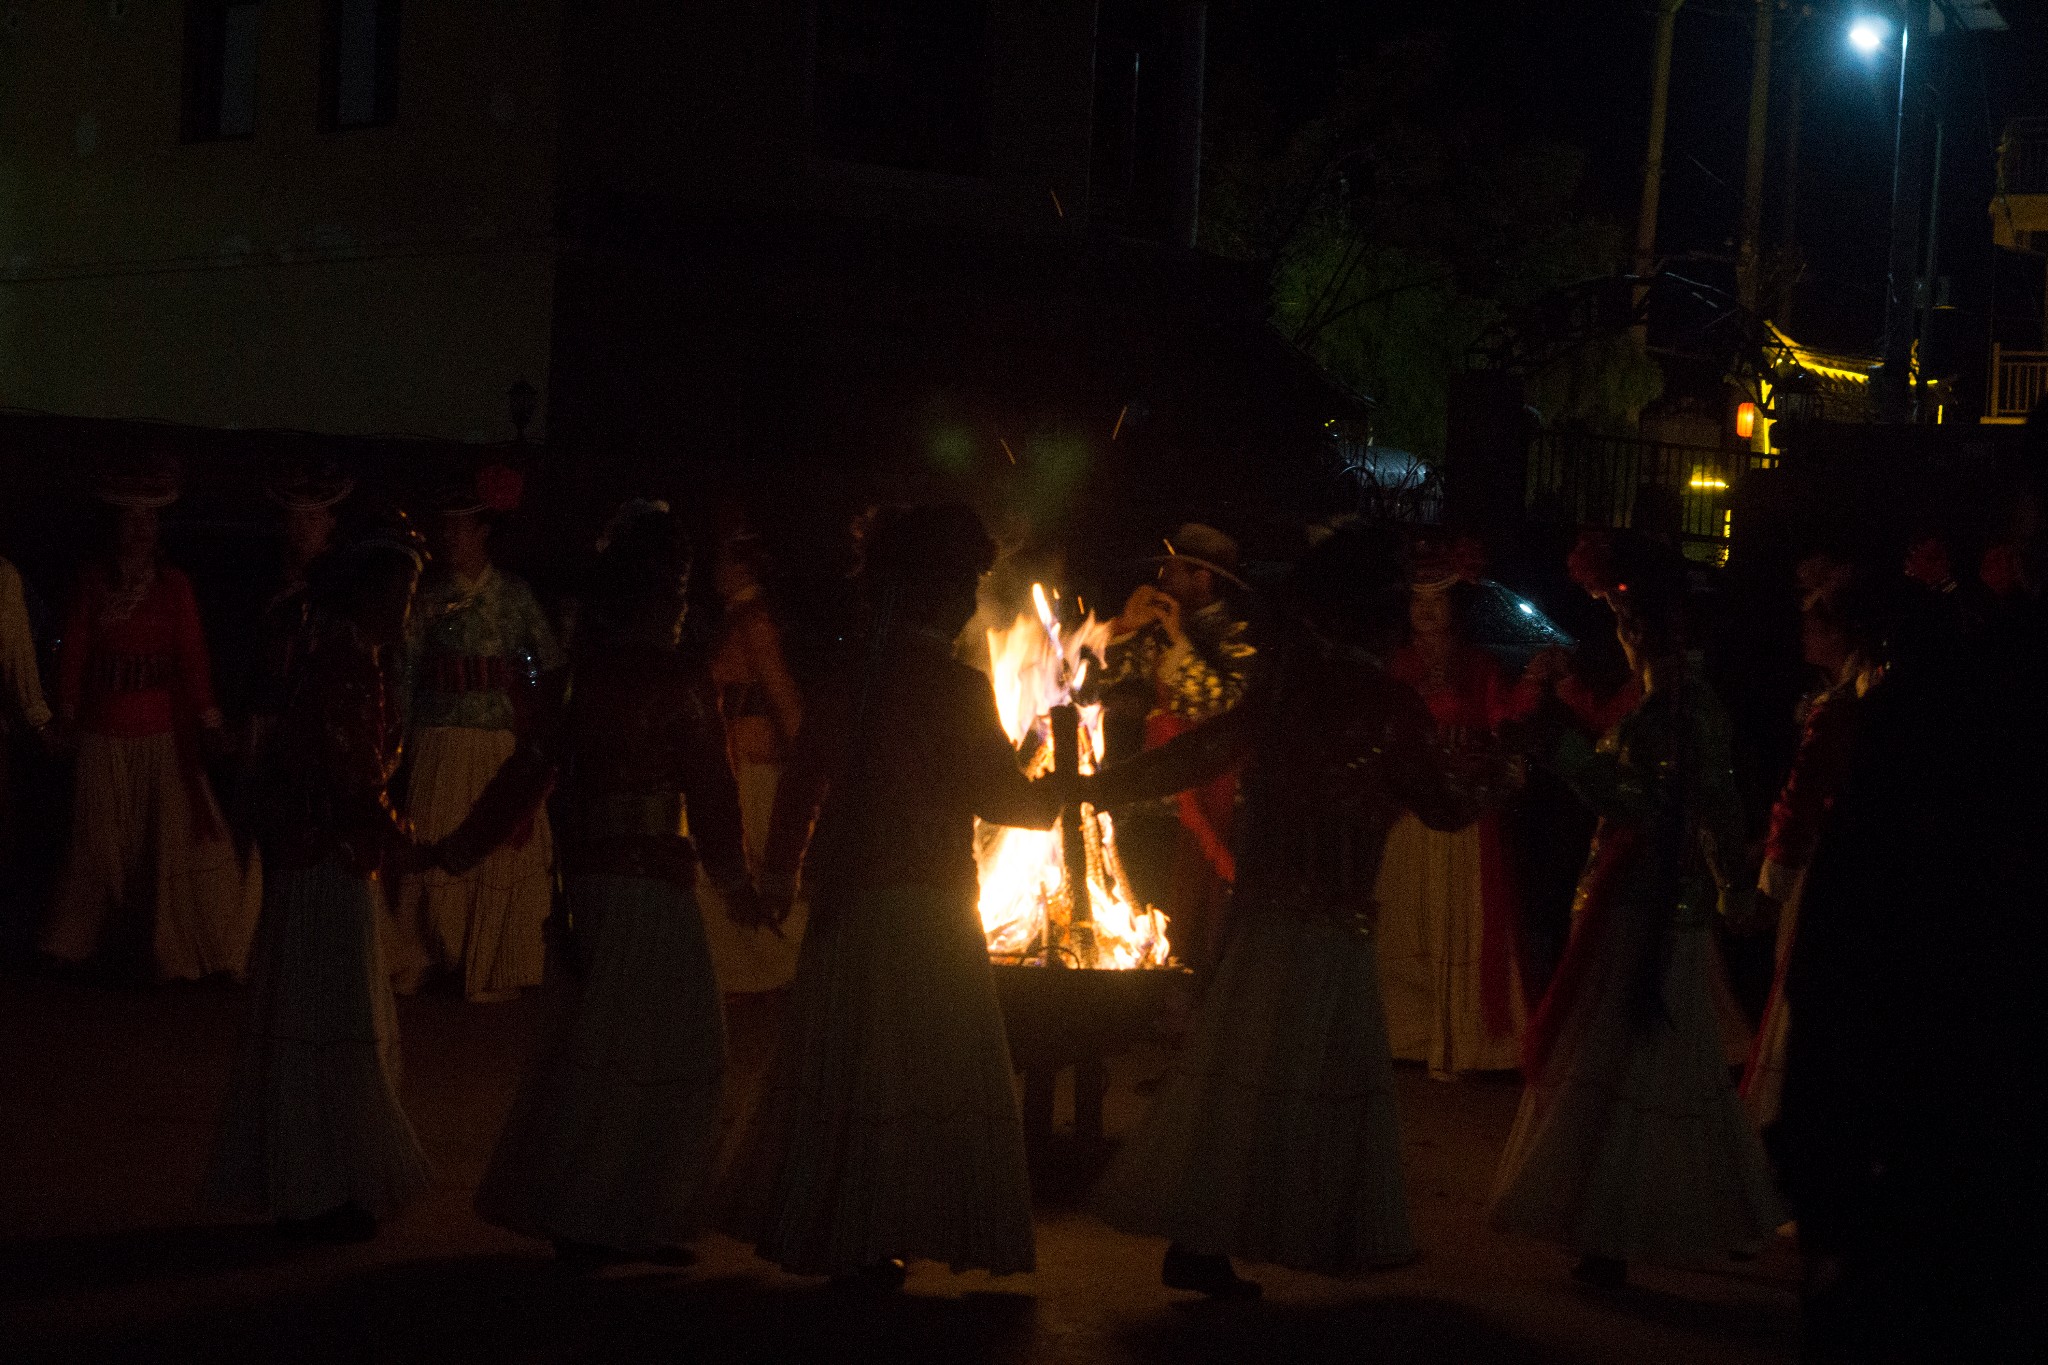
column 1867, row 35
column 1910, row 285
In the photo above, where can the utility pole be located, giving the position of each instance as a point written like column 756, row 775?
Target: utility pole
column 1791, row 232
column 1653, row 158
column 1928, row 296
column 1894, row 377
column 1746, row 270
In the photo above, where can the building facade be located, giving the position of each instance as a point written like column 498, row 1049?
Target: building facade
column 325, row 215
column 923, row 244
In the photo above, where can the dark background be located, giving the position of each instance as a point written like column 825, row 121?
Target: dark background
column 1578, row 72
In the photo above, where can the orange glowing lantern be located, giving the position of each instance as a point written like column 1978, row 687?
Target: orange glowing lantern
column 1745, row 420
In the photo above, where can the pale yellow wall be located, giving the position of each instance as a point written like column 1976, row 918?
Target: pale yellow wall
column 387, row 280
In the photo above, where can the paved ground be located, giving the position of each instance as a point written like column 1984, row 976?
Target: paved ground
column 107, row 1100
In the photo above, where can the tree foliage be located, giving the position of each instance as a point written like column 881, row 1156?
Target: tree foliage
column 1401, row 227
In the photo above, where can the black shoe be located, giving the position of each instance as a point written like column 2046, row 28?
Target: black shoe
column 883, row 1277
column 1602, row 1272
column 1210, row 1275
column 344, row 1225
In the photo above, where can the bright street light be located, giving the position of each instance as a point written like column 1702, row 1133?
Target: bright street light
column 1868, row 35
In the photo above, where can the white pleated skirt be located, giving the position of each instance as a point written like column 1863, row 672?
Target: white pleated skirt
column 1432, row 930
column 751, row 959
column 312, row 1119
column 487, row 922
column 1633, row 1143
column 612, row 1138
column 889, row 1123
column 1274, row 1136
column 1763, row 1084
column 146, row 864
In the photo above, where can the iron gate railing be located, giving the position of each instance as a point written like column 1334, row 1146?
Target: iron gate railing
column 1617, row 481
column 2019, row 379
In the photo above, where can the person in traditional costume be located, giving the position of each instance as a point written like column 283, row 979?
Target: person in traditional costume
column 1841, row 634
column 1631, row 1142
column 24, row 716
column 152, row 874
column 762, row 709
column 609, row 1149
column 1449, row 967
column 1184, row 648
column 889, row 1129
column 22, row 706
column 306, row 495
column 482, row 662
column 1273, row 1136
column 312, row 1133
column 1552, row 828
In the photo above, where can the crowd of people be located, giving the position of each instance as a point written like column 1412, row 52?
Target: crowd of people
column 432, row 771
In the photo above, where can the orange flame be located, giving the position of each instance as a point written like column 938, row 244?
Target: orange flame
column 1026, row 905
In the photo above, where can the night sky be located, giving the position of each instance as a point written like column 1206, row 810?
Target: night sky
column 1577, row 71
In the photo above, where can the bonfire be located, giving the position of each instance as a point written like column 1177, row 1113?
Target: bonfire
column 1057, row 897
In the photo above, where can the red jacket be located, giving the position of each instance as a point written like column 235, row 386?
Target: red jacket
column 144, row 674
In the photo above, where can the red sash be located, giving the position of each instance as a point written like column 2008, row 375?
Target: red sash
column 1205, row 811
column 1591, row 931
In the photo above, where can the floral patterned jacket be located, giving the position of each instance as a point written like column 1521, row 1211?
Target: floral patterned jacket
column 1193, row 681
column 473, row 648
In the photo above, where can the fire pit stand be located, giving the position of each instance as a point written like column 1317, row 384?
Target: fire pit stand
column 1059, row 1017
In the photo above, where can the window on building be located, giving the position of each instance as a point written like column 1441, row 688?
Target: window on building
column 220, row 69
column 903, row 83
column 359, row 64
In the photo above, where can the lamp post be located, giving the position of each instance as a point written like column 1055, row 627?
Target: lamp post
column 1894, row 391
column 1868, row 34
column 1910, row 282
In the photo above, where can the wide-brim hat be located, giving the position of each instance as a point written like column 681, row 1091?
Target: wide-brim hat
column 1205, row 547
column 496, row 489
column 310, row 486
column 455, row 500
column 143, row 481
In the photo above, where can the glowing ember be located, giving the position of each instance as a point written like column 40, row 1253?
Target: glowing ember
column 1026, row 905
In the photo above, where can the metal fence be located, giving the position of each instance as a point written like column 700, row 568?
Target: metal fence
column 2018, row 381
column 1619, row 481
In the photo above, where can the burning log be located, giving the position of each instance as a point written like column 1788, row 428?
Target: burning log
column 1066, row 757
column 1057, row 895
column 1058, row 899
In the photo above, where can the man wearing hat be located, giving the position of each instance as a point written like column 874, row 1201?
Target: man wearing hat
column 481, row 652
column 1185, row 641
column 151, row 867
